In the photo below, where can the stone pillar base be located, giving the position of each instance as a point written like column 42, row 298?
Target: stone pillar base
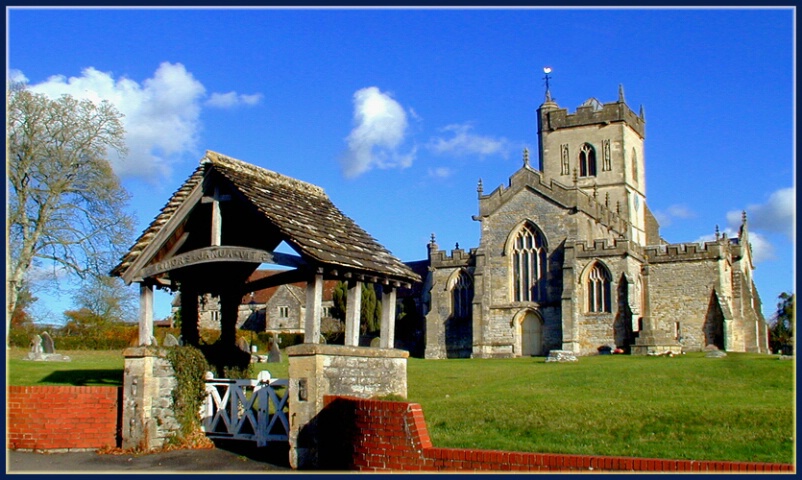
column 316, row 370
column 655, row 345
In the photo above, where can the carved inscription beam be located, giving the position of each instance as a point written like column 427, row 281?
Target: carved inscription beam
column 221, row 254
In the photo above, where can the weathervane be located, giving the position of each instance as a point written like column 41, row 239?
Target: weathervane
column 547, row 71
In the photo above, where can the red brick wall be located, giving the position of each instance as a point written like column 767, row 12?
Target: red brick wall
column 48, row 418
column 373, row 435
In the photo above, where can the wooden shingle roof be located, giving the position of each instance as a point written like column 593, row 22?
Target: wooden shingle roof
column 303, row 214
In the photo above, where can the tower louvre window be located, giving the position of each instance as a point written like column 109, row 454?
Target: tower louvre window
column 587, row 161
column 599, row 289
column 528, row 265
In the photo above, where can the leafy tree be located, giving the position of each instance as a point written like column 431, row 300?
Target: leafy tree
column 782, row 330
column 371, row 312
column 66, row 205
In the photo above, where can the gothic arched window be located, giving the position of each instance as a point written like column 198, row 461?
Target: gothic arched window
column 462, row 295
column 528, row 265
column 598, row 289
column 587, row 161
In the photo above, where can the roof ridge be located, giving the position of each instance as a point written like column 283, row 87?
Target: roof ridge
column 219, row 159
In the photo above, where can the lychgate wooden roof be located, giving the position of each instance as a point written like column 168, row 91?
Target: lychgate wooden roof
column 302, row 213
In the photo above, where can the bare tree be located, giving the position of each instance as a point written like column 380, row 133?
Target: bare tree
column 66, row 206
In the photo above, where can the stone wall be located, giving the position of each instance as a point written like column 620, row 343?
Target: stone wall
column 148, row 417
column 317, row 370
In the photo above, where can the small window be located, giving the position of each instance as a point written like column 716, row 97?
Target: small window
column 284, row 312
column 587, row 161
column 599, row 289
column 215, row 315
column 634, row 165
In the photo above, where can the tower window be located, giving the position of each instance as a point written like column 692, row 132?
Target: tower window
column 587, row 161
column 462, row 295
column 528, row 265
column 599, row 289
column 634, row 165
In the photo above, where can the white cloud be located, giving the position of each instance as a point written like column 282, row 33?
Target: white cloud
column 440, row 172
column 380, row 129
column 161, row 115
column 776, row 215
column 666, row 217
column 233, row 99
column 463, row 143
column 16, row 76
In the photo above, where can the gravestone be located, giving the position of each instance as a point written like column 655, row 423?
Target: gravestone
column 274, row 355
column 715, row 354
column 47, row 343
column 36, row 345
column 170, row 341
column 375, row 343
column 43, row 350
column 561, row 356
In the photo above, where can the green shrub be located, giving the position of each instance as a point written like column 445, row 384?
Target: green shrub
column 190, row 367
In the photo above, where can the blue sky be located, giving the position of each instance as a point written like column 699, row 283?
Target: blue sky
column 397, row 113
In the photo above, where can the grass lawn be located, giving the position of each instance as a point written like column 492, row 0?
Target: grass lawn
column 738, row 408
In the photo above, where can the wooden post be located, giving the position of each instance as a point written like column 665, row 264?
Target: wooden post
column 145, row 313
column 388, row 318
column 314, row 301
column 353, row 311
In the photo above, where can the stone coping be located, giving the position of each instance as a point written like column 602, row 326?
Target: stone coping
column 308, row 349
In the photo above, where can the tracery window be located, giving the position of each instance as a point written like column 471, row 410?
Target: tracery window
column 462, row 296
column 528, row 265
column 598, row 290
column 587, row 161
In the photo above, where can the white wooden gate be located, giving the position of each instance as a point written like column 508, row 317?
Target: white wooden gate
column 254, row 410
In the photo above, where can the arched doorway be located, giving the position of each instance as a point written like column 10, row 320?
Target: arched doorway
column 531, row 335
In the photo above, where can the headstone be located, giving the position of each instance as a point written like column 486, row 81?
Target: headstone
column 36, row 345
column 170, row 341
column 243, row 345
column 375, row 343
column 47, row 343
column 715, row 354
column 560, row 356
column 274, row 355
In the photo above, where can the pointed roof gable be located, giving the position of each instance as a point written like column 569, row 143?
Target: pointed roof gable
column 301, row 212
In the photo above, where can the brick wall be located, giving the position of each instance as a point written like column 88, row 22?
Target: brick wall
column 373, row 435
column 57, row 417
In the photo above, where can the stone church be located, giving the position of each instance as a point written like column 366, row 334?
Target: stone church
column 571, row 258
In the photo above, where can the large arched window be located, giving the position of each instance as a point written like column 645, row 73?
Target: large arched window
column 587, row 161
column 528, row 258
column 462, row 295
column 598, row 289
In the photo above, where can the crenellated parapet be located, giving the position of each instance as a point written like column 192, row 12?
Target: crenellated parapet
column 685, row 252
column 592, row 112
column 608, row 248
column 457, row 258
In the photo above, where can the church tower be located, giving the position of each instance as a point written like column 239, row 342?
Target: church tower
column 598, row 149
